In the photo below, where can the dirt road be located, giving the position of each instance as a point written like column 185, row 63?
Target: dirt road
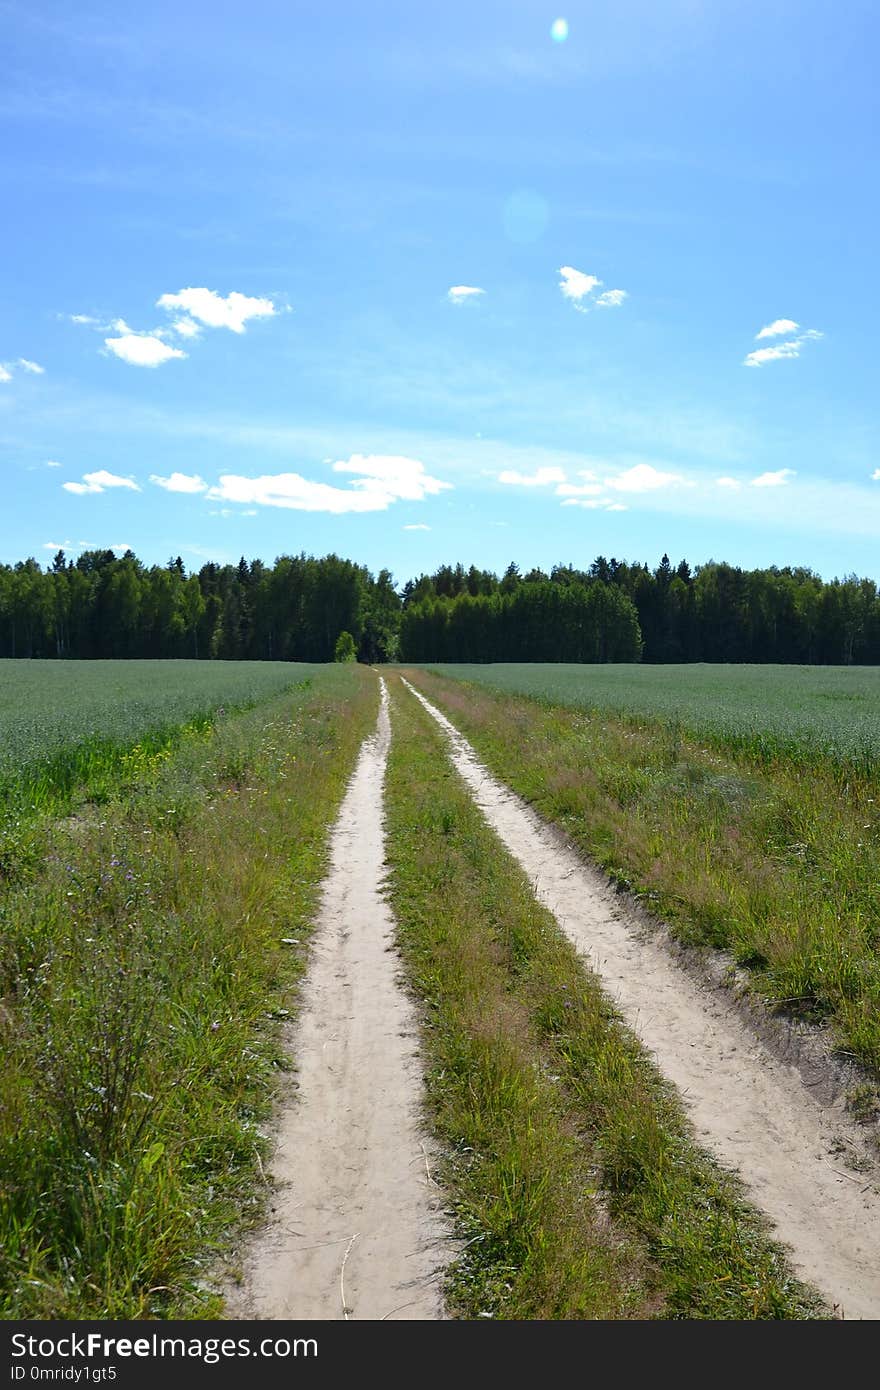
column 750, row 1109
column 357, row 1230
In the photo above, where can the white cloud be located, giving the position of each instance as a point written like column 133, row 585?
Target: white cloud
column 391, row 474
column 779, row 351
column 214, row 311
column 575, row 285
column 140, row 349
column 777, row 479
column 773, row 354
column 642, row 477
column 180, row 482
column 875, row 476
column 187, row 328
column 201, row 308
column 733, row 483
column 611, row 299
column 55, row 546
column 459, row 294
column 7, row 369
column 778, row 326
column 417, row 526
column 105, row 479
column 542, row 478
column 99, row 482
column 292, row 491
column 382, row 479
column 618, row 507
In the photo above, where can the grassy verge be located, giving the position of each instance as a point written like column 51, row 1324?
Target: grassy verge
column 96, row 770
column 777, row 864
column 576, row 1185
column 810, row 716
column 143, row 973
column 101, row 766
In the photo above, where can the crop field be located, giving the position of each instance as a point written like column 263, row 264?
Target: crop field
column 167, row 850
column 65, row 722
column 795, row 712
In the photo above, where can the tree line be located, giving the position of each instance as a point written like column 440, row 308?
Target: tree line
column 106, row 606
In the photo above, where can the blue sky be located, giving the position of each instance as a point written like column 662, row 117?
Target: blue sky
column 425, row 284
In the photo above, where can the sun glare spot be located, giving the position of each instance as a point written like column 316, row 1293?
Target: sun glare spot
column 559, row 30
column 525, row 216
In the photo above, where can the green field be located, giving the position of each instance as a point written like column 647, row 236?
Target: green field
column 62, row 723
column 163, row 838
column 796, row 712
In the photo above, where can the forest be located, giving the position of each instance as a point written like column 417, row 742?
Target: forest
column 102, row 605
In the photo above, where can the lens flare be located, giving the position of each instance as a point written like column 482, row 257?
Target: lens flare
column 525, row 216
column 559, row 30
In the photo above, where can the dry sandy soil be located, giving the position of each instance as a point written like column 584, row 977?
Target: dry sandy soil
column 357, row 1229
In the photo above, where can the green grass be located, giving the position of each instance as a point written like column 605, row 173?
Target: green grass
column 798, row 713
column 64, row 724
column 145, row 966
column 777, row 862
column 576, row 1185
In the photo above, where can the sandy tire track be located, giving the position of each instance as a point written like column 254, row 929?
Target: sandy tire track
column 357, row 1229
column 748, row 1107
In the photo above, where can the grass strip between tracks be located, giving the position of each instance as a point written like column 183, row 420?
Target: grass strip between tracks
column 147, row 962
column 576, row 1186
